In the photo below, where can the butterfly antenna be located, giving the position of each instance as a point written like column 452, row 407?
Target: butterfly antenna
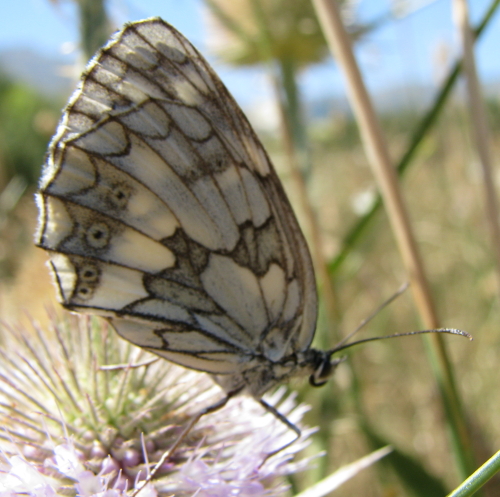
column 449, row 331
column 342, row 345
column 399, row 291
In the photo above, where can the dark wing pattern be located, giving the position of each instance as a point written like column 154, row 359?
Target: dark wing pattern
column 161, row 211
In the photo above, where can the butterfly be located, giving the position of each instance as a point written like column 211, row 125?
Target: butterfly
column 161, row 211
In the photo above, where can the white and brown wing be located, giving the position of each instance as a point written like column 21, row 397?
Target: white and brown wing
column 161, row 211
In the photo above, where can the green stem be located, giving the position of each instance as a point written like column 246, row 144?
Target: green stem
column 288, row 75
column 94, row 26
column 475, row 481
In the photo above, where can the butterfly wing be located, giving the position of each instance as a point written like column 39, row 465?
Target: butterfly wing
column 161, row 211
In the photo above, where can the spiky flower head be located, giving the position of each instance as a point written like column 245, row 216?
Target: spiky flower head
column 72, row 426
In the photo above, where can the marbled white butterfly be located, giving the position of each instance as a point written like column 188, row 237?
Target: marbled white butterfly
column 161, row 212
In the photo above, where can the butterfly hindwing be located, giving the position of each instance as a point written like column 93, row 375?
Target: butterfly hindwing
column 162, row 212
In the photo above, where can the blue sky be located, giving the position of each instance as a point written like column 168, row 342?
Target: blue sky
column 403, row 52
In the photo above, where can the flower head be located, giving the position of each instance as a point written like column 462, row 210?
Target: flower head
column 74, row 427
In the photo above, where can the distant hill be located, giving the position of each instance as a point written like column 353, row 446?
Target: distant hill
column 38, row 71
column 56, row 78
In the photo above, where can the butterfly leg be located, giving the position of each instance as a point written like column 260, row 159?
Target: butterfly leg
column 285, row 421
column 214, row 407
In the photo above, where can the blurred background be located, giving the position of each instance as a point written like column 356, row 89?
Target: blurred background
column 273, row 58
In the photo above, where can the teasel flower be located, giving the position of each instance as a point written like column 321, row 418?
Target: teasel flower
column 71, row 426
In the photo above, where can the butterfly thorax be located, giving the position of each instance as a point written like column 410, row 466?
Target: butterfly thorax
column 260, row 375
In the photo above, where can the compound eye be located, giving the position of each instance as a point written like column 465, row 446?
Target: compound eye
column 314, row 382
column 324, row 369
column 321, row 373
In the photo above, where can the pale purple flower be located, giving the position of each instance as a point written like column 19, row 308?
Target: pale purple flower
column 72, row 428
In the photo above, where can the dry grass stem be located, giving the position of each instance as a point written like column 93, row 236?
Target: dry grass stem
column 385, row 174
column 479, row 125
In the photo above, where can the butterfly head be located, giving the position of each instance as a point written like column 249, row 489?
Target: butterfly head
column 323, row 367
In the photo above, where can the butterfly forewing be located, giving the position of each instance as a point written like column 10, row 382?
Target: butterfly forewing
column 161, row 211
